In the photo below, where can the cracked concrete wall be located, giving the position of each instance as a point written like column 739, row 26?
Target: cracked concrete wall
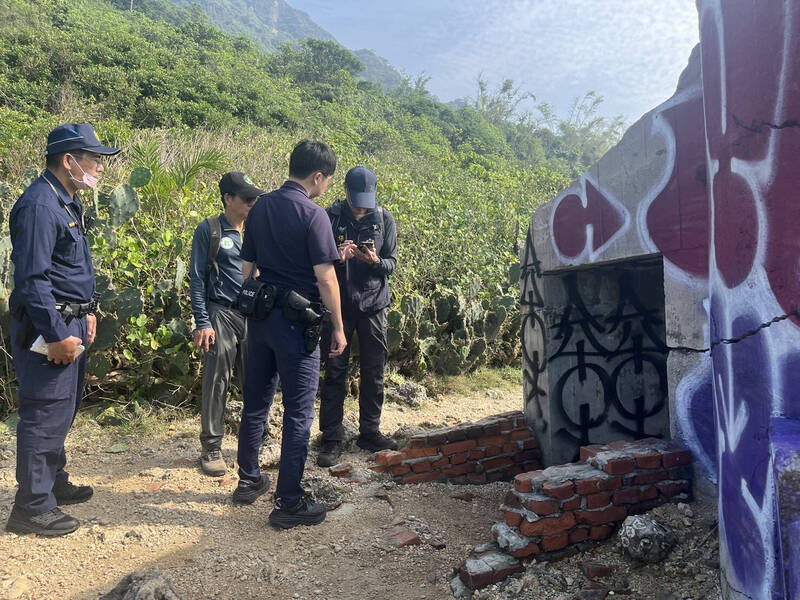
column 707, row 182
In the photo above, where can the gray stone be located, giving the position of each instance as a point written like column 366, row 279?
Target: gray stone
column 150, row 585
column 645, row 539
column 325, row 491
column 409, row 394
column 459, row 589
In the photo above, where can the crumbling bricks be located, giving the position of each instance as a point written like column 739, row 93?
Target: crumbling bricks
column 495, row 448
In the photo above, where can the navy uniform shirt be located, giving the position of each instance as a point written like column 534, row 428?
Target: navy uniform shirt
column 365, row 288
column 286, row 235
column 204, row 284
column 52, row 261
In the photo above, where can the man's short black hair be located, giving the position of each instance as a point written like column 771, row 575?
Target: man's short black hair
column 53, row 161
column 309, row 157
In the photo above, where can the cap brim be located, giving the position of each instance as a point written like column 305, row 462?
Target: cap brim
column 362, row 199
column 250, row 192
column 104, row 150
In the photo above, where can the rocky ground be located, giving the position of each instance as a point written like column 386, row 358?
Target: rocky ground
column 153, row 509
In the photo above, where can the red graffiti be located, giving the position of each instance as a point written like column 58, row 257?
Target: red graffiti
column 678, row 217
column 571, row 221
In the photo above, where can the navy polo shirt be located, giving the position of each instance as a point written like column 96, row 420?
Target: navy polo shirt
column 204, row 284
column 286, row 235
column 52, row 261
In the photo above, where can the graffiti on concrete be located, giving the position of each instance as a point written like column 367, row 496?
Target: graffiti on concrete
column 533, row 333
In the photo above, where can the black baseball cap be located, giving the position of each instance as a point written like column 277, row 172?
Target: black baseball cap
column 239, row 184
column 361, row 185
column 76, row 136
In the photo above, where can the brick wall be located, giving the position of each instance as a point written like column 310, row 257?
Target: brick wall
column 572, row 506
column 492, row 449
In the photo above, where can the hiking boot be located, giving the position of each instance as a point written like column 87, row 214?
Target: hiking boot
column 330, row 453
column 248, row 491
column 69, row 493
column 212, row 464
column 375, row 442
column 304, row 512
column 50, row 524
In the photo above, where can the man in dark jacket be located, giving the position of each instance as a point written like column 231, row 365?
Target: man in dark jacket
column 367, row 239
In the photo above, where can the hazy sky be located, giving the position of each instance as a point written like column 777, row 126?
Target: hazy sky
column 629, row 51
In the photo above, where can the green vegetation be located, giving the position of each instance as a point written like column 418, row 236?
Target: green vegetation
column 188, row 103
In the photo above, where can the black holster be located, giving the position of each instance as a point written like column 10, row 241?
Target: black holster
column 298, row 309
column 256, row 299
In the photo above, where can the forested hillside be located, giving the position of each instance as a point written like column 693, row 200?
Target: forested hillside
column 188, row 103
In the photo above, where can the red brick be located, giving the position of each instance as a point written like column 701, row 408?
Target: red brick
column 456, row 434
column 612, row 483
column 672, row 488
column 548, row 525
column 421, row 477
column 495, row 475
column 648, row 493
column 493, row 429
column 476, row 477
column 588, row 452
column 477, row 454
column 601, row 532
column 515, row 470
column 626, row 496
column 556, row 542
column 400, row 469
column 527, row 455
column 457, row 459
column 448, row 449
column 673, row 458
column 438, row 464
column 619, row 466
column 381, row 468
column 593, row 570
column 650, row 477
column 648, row 461
column 586, row 486
column 462, row 469
column 529, row 444
column 436, row 439
column 562, row 491
column 495, row 440
column 419, row 452
column 578, row 534
column 598, row 500
column 496, row 463
column 597, row 517
column 388, row 458
column 521, row 434
column 572, row 504
column 506, row 425
column 342, row 470
column 622, row 445
column 513, row 519
column 421, row 467
column 510, row 448
column 531, row 465
column 530, row 549
column 542, row 507
column 417, row 442
column 492, row 451
column 522, row 482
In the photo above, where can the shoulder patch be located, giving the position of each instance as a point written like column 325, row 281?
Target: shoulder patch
column 226, row 243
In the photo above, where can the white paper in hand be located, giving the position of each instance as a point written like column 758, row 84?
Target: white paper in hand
column 40, row 346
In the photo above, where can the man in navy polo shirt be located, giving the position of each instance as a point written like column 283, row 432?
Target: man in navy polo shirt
column 288, row 238
column 54, row 284
column 220, row 330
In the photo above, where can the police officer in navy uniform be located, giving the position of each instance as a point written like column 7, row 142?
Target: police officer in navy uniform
column 54, row 285
column 367, row 238
column 288, row 238
column 220, row 330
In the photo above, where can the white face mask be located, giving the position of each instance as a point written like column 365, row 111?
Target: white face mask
column 87, row 182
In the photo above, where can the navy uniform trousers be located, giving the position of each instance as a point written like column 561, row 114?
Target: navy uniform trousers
column 49, row 397
column 277, row 345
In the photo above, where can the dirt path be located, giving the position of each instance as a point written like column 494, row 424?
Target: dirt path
column 153, row 509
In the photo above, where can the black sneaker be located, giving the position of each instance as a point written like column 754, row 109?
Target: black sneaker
column 248, row 492
column 330, row 453
column 69, row 493
column 305, row 512
column 51, row 524
column 375, row 442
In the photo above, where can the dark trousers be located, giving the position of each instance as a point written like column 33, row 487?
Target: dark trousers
column 373, row 353
column 276, row 346
column 228, row 351
column 49, row 397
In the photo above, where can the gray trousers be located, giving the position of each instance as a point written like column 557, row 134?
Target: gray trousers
column 229, row 350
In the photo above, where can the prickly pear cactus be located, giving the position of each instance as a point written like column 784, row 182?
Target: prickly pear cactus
column 129, row 304
column 140, row 177
column 31, row 174
column 123, row 204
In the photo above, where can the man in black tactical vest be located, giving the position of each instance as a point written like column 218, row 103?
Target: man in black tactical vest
column 220, row 330
column 367, row 239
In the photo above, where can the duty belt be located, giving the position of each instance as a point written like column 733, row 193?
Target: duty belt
column 76, row 310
